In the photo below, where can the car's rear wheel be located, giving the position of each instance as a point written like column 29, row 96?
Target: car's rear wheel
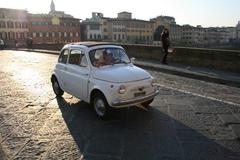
column 101, row 106
column 56, row 88
column 147, row 103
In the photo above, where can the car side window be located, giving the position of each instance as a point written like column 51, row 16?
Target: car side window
column 83, row 61
column 77, row 57
column 63, row 57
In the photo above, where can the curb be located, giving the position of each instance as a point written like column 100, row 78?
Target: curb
column 192, row 75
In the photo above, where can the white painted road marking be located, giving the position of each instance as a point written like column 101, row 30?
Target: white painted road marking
column 199, row 95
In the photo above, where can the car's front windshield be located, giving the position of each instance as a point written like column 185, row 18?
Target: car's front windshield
column 108, row 56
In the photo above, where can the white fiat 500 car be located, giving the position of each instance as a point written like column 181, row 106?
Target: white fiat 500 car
column 103, row 75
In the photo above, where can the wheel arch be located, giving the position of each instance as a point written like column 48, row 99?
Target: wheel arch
column 94, row 92
column 53, row 77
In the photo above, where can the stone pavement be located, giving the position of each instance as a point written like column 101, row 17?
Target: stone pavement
column 190, row 119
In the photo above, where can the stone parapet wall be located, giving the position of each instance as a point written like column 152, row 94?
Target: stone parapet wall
column 201, row 57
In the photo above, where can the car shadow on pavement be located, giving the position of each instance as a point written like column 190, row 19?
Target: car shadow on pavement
column 2, row 153
column 133, row 133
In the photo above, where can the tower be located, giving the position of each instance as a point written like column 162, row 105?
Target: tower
column 52, row 7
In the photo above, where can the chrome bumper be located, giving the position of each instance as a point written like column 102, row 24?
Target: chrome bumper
column 135, row 100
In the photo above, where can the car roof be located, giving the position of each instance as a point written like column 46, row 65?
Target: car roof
column 92, row 44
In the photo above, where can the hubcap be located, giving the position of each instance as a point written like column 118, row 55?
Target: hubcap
column 99, row 106
column 56, row 87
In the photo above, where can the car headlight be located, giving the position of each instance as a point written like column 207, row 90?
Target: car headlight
column 154, row 82
column 122, row 89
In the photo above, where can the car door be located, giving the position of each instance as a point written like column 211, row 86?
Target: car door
column 78, row 72
column 61, row 69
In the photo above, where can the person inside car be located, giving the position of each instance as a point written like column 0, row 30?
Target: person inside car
column 108, row 58
column 104, row 59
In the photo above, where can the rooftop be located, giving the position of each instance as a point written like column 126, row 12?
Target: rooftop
column 11, row 9
column 130, row 20
column 92, row 43
column 125, row 12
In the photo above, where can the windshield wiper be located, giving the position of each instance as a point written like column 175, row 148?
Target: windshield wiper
column 117, row 61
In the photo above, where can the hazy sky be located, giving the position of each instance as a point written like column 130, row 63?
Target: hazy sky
column 194, row 12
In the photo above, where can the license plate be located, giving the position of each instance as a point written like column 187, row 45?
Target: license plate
column 138, row 94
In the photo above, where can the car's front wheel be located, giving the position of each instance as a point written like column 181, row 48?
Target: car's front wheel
column 101, row 106
column 56, row 88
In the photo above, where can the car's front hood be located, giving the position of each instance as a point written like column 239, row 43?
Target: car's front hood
column 121, row 73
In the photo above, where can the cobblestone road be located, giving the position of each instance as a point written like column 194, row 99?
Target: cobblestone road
column 190, row 119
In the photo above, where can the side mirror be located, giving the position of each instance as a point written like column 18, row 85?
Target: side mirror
column 132, row 59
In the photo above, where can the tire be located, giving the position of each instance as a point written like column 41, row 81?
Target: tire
column 101, row 106
column 56, row 88
column 147, row 103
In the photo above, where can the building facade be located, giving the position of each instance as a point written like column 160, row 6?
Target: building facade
column 161, row 22
column 13, row 25
column 238, row 31
column 59, row 27
column 45, row 28
column 125, row 29
column 164, row 21
column 132, row 31
column 91, row 29
column 55, row 27
column 217, row 36
column 122, row 29
column 176, row 34
column 192, row 36
column 231, row 32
